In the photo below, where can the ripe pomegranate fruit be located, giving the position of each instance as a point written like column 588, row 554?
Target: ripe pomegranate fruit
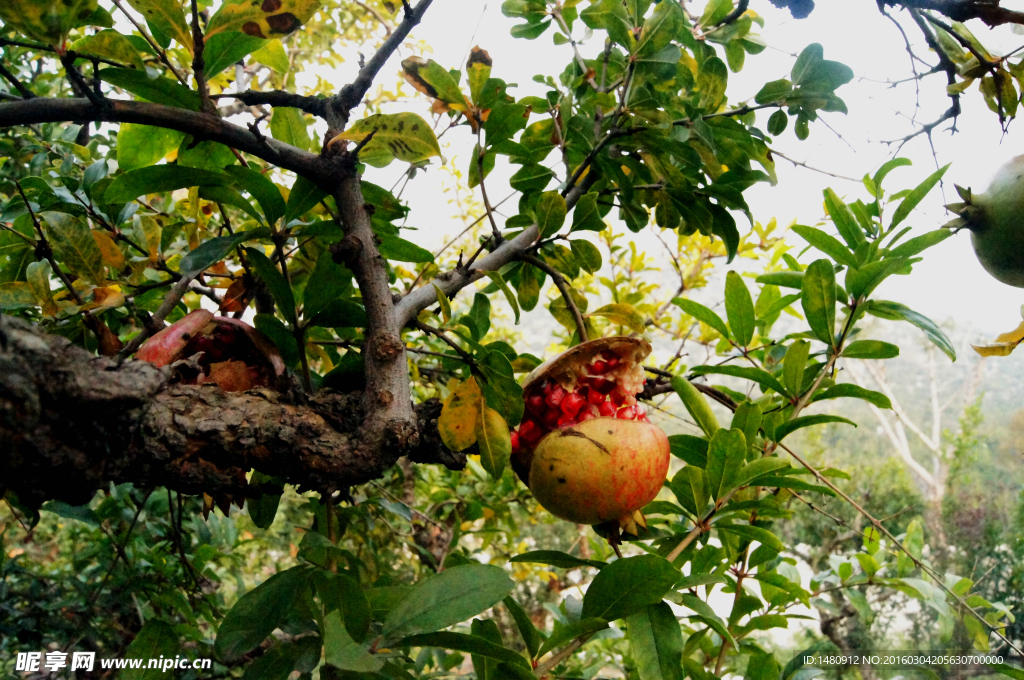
column 585, row 446
column 235, row 356
column 996, row 221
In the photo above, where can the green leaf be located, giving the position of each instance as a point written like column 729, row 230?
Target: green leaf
column 752, row 533
column 760, row 376
column 622, row 314
column 158, row 179
column 435, row 81
column 259, row 612
column 226, row 49
column 702, row 314
column 341, row 314
column 262, row 20
column 660, row 28
column 628, row 585
column 587, row 254
column 855, row 391
column 550, row 213
column 341, row 651
column 774, row 91
column 696, row 405
column 726, row 454
column 400, row 250
column 871, row 349
column 1008, row 670
column 656, row 641
column 708, row 616
column 158, row 90
column 338, row 591
column 611, row 16
column 531, row 638
column 142, row 145
column 259, row 186
column 916, row 196
column 920, row 243
column 288, row 125
column 326, row 284
column 693, row 450
column 577, row 629
column 739, row 308
column 274, row 280
column 895, row 311
column 156, row 639
column 818, row 299
column 844, row 219
column 759, row 468
column 747, row 419
column 111, row 45
column 447, row 598
column 471, row 644
column 690, row 486
column 263, row 510
column 73, row 244
column 793, row 365
column 216, row 249
column 531, row 177
column 279, row 661
column 509, row 295
column 396, row 136
column 555, row 558
column 493, row 440
column 827, row 244
column 888, row 167
column 303, row 197
column 791, row 426
column 586, row 216
column 228, row 196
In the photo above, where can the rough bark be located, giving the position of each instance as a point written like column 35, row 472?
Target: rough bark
column 71, row 423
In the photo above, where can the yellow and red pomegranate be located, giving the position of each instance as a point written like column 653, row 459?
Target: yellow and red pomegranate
column 232, row 354
column 585, row 446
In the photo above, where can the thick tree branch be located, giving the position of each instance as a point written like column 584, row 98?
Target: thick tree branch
column 387, row 402
column 71, row 423
column 200, row 125
column 340, row 105
column 988, row 11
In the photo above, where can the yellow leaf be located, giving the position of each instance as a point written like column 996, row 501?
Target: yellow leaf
column 74, row 246
column 494, row 440
column 152, row 232
column 38, row 276
column 168, row 17
column 442, row 300
column 110, row 297
column 267, row 19
column 112, row 255
column 1004, row 344
column 403, row 136
column 459, row 414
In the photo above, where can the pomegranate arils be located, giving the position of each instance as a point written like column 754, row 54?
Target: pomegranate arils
column 566, row 420
column 595, row 397
column 555, row 397
column 551, row 416
column 602, row 385
column 572, row 403
column 607, row 409
column 535, row 403
column 626, row 413
column 599, row 367
column 515, row 441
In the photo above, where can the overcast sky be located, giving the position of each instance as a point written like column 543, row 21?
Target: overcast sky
column 949, row 283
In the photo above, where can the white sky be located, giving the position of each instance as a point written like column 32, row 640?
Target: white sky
column 949, row 283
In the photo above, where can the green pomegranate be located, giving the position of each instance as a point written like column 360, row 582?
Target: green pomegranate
column 996, row 222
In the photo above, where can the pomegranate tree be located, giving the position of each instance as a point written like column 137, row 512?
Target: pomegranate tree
column 215, row 349
column 586, row 447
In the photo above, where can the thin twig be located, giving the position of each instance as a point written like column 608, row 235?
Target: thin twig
column 563, row 287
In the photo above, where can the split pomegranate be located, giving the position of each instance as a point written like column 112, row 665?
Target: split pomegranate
column 585, row 446
column 231, row 353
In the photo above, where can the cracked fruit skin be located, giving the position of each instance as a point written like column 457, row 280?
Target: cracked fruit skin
column 599, row 470
column 996, row 222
